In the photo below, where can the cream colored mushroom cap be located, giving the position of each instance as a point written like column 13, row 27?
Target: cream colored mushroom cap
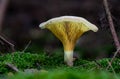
column 72, row 19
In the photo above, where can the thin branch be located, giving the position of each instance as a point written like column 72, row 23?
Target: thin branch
column 12, row 67
column 98, row 64
column 115, row 37
column 3, row 41
column 112, row 69
column 91, row 69
column 8, row 43
column 3, row 5
column 27, row 46
column 115, row 54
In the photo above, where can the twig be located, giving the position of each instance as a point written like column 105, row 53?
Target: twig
column 112, row 69
column 115, row 54
column 112, row 31
column 91, row 69
column 27, row 46
column 115, row 37
column 8, row 43
column 12, row 67
column 98, row 64
column 3, row 5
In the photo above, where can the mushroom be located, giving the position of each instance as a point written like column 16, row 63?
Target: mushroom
column 68, row 29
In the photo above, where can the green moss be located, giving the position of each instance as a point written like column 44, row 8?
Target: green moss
column 21, row 60
column 26, row 60
column 115, row 64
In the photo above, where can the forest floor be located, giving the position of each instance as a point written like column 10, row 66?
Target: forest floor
column 25, row 65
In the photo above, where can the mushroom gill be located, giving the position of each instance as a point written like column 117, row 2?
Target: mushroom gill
column 68, row 29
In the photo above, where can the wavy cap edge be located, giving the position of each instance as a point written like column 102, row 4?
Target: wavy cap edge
column 91, row 26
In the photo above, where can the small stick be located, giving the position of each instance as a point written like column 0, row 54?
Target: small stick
column 98, row 64
column 91, row 69
column 115, row 37
column 7, row 42
column 112, row 69
column 27, row 46
column 115, row 54
column 12, row 67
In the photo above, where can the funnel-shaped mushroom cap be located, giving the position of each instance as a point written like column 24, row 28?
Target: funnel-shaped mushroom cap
column 68, row 29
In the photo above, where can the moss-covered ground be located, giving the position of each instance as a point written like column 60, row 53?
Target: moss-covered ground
column 42, row 66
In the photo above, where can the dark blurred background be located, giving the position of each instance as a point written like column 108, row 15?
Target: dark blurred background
column 21, row 19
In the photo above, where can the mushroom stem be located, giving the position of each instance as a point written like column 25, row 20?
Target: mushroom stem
column 68, row 57
column 68, row 52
